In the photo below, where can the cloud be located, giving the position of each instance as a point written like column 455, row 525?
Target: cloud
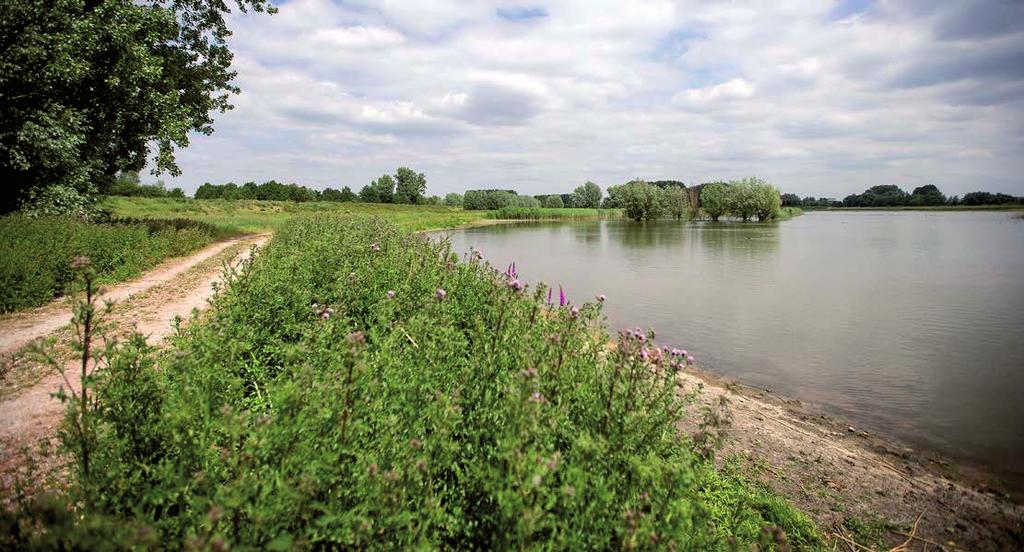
column 823, row 98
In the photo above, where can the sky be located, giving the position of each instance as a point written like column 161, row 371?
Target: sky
column 820, row 98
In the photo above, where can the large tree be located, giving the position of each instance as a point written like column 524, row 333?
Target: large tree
column 90, row 88
column 409, row 186
column 587, row 196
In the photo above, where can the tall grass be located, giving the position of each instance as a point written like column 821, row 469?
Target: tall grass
column 35, row 253
column 358, row 387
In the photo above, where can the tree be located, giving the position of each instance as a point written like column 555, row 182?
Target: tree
column 791, row 200
column 641, row 201
column 381, row 190
column 453, row 200
column 677, row 200
column 88, row 87
column 928, row 194
column 767, row 199
column 409, row 186
column 553, row 201
column 587, row 196
column 742, row 198
column 714, row 199
column 484, row 200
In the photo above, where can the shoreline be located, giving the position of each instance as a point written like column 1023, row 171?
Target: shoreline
column 844, row 478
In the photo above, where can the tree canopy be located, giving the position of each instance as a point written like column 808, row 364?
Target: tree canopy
column 91, row 88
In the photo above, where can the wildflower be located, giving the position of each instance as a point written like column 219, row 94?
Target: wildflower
column 375, row 247
column 644, row 354
column 391, row 294
column 549, row 297
column 356, row 337
column 561, row 297
column 682, row 353
column 80, row 262
column 415, row 443
column 529, row 373
column 440, row 294
column 574, row 312
column 689, row 360
column 477, row 254
column 515, row 285
column 537, row 397
column 601, row 298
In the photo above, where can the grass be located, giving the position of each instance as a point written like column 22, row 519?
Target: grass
column 35, row 253
column 786, row 213
column 356, row 386
column 267, row 216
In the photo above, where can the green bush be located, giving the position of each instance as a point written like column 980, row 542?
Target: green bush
column 35, row 253
column 357, row 387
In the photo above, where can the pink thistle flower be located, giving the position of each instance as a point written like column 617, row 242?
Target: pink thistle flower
column 601, row 298
column 574, row 312
column 440, row 294
column 644, row 354
column 391, row 294
column 537, row 397
column 375, row 247
column 683, row 353
column 689, row 360
column 549, row 297
column 515, row 285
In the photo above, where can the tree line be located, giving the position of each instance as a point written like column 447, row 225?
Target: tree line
column 889, row 195
column 586, row 196
column 743, row 199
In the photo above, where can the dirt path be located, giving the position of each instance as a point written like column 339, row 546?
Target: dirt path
column 850, row 482
column 149, row 305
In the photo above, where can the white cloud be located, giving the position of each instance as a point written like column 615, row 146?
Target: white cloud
column 819, row 98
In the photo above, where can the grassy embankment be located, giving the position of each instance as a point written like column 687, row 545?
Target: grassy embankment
column 336, row 396
column 35, row 254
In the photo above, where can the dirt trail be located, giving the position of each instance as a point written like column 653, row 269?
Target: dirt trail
column 836, row 473
column 148, row 305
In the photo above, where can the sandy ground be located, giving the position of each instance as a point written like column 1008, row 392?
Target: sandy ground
column 836, row 473
column 149, row 305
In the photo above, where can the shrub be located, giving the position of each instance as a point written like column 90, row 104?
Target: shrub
column 453, row 200
column 356, row 387
column 487, row 200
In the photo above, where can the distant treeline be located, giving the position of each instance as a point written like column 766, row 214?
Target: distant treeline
column 889, row 195
column 587, row 196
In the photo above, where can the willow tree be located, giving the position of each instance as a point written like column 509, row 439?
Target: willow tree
column 90, row 88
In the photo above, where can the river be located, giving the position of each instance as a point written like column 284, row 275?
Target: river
column 909, row 324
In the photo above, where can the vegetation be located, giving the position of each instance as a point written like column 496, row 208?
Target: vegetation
column 453, row 200
column 743, row 199
column 487, row 200
column 587, row 196
column 545, row 213
column 35, row 253
column 553, row 202
column 263, row 216
column 890, row 196
column 638, row 200
column 357, row 387
column 714, row 200
column 88, row 87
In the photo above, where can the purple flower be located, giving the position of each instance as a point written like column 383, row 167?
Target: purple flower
column 574, row 312
column 515, row 273
column 391, row 294
column 601, row 298
column 561, row 296
column 644, row 354
column 689, row 360
column 683, row 353
column 440, row 294
column 549, row 297
column 375, row 247
column 515, row 285
column 536, row 397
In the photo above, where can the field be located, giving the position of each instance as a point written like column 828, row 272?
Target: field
column 35, row 253
column 360, row 386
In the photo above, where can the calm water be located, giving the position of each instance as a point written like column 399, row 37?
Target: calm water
column 906, row 323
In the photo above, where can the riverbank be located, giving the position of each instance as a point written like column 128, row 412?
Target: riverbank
column 865, row 487
column 1008, row 207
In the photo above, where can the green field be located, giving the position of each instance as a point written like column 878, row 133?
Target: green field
column 358, row 386
column 266, row 216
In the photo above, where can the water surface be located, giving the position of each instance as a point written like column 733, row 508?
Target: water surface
column 907, row 323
